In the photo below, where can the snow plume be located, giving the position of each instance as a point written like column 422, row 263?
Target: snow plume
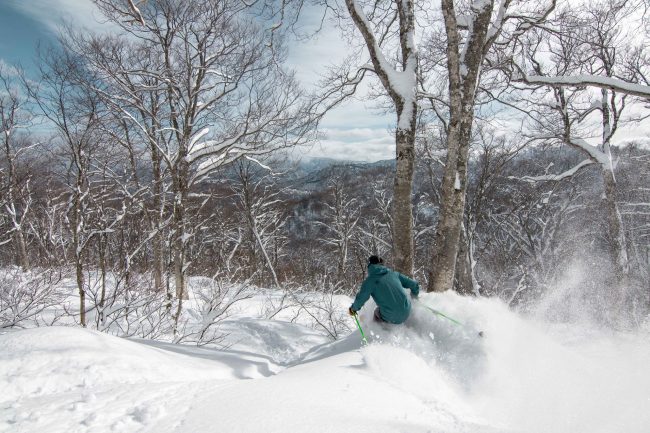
column 523, row 375
column 544, row 378
column 564, row 299
column 584, row 292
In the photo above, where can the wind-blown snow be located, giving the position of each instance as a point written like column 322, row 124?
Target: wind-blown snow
column 428, row 375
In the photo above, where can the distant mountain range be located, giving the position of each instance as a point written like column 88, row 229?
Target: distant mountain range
column 313, row 173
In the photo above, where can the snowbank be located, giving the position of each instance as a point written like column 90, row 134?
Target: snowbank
column 428, row 375
column 56, row 360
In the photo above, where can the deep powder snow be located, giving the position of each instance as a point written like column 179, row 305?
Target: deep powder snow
column 429, row 375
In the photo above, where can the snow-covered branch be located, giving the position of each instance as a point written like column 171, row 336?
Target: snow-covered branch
column 609, row 83
column 554, row 177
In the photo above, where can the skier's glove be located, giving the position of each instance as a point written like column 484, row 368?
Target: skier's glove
column 351, row 311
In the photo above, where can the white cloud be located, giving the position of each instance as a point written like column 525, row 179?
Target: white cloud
column 353, row 130
column 8, row 69
column 356, row 132
column 631, row 130
column 356, row 144
column 353, row 134
column 53, row 13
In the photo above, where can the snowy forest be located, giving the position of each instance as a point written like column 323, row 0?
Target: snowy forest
column 156, row 189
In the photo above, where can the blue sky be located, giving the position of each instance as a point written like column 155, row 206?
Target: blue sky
column 19, row 34
column 353, row 131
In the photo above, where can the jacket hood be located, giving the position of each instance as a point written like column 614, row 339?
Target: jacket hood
column 377, row 270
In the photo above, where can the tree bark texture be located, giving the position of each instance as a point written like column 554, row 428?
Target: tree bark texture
column 77, row 226
column 616, row 234
column 21, row 246
column 448, row 230
column 158, row 240
column 82, row 292
column 402, row 204
column 462, row 92
column 464, row 282
column 180, row 202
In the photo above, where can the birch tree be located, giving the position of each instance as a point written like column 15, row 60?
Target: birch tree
column 75, row 113
column 477, row 35
column 590, row 42
column 225, row 93
column 137, row 123
column 14, row 119
column 342, row 217
column 388, row 33
column 259, row 202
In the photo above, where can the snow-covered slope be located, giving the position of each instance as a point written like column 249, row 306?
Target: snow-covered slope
column 429, row 375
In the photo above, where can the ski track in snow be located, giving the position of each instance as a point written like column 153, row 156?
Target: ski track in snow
column 426, row 376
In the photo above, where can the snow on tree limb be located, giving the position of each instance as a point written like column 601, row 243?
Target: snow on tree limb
column 400, row 84
column 259, row 163
column 206, row 166
column 497, row 25
column 127, row 9
column 554, row 177
column 595, row 154
column 136, row 12
column 609, row 83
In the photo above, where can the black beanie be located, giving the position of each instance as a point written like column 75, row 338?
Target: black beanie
column 375, row 260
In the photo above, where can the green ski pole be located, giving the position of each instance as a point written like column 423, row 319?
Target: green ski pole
column 363, row 336
column 480, row 333
column 443, row 315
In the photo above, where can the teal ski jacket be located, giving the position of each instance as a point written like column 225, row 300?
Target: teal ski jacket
column 387, row 289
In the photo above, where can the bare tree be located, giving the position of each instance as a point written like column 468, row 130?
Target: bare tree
column 75, row 114
column 589, row 42
column 136, row 122
column 28, row 298
column 341, row 219
column 389, row 33
column 260, row 203
column 15, row 186
column 492, row 155
column 531, row 236
column 476, row 37
column 225, row 94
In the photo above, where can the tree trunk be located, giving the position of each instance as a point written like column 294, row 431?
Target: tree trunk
column 21, row 247
column 102, row 267
column 180, row 194
column 464, row 284
column 617, row 238
column 464, row 76
column 179, row 272
column 402, row 204
column 405, row 102
column 82, row 291
column 452, row 209
column 180, row 201
column 158, row 241
column 158, row 266
column 179, row 277
column 269, row 263
column 342, row 259
column 77, row 218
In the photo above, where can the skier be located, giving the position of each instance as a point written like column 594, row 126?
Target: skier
column 387, row 289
